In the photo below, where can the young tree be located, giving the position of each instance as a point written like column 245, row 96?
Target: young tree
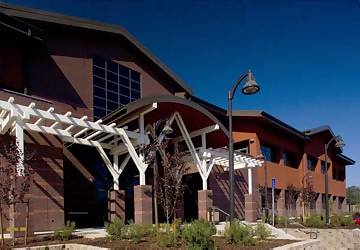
column 291, row 195
column 171, row 186
column 14, row 182
column 307, row 193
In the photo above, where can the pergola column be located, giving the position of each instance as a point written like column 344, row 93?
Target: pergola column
column 250, row 200
column 116, row 205
column 205, row 203
column 143, row 204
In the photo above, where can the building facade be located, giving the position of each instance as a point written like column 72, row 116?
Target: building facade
column 93, row 71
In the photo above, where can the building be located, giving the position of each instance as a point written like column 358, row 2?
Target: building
column 85, row 96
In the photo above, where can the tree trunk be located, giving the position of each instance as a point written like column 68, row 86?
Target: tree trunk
column 1, row 227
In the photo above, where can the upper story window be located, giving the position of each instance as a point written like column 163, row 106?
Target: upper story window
column 311, row 163
column 114, row 86
column 289, row 159
column 323, row 166
column 242, row 147
column 268, row 152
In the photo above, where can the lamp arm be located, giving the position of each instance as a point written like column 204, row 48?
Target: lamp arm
column 327, row 144
column 236, row 85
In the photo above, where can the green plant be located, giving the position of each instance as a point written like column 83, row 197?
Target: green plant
column 346, row 221
column 335, row 220
column 66, row 232
column 262, row 232
column 114, row 229
column 136, row 232
column 197, row 235
column 282, row 220
column 238, row 233
column 314, row 221
column 167, row 239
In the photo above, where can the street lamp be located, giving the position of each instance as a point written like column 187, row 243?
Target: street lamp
column 250, row 87
column 339, row 143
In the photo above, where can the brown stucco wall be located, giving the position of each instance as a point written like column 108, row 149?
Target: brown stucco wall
column 258, row 131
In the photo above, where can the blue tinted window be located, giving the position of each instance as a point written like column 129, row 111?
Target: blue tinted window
column 114, row 86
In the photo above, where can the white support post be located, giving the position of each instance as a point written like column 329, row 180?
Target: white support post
column 19, row 133
column 204, row 182
column 203, row 141
column 250, row 180
column 116, row 167
column 142, row 177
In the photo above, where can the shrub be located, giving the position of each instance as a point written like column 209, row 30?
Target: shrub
column 346, row 221
column 136, row 232
column 114, row 229
column 262, row 232
column 197, row 235
column 314, row 221
column 238, row 233
column 167, row 239
column 335, row 221
column 282, row 220
column 66, row 232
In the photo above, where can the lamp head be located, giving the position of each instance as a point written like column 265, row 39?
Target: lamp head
column 167, row 130
column 250, row 86
column 339, row 142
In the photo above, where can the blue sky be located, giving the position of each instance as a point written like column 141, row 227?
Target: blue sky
column 305, row 54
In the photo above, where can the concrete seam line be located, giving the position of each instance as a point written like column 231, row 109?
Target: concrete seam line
column 299, row 245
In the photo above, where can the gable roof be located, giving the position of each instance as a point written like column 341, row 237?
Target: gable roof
column 51, row 17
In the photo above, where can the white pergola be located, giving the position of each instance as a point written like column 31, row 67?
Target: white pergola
column 115, row 138
column 16, row 118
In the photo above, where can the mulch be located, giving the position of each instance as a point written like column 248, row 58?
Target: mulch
column 146, row 244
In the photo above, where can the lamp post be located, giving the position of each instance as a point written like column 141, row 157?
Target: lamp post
column 339, row 143
column 250, row 87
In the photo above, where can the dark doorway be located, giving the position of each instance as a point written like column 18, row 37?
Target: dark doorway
column 128, row 179
column 86, row 200
column 193, row 183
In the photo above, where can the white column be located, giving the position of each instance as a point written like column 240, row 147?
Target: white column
column 116, row 167
column 19, row 133
column 250, row 180
column 142, row 178
column 204, row 182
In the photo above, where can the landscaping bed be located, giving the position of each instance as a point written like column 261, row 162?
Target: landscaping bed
column 146, row 243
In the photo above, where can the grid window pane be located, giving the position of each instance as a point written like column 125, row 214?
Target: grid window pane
column 114, row 86
column 124, row 91
column 99, row 72
column 135, row 76
column 124, row 71
column 99, row 82
column 124, row 81
column 135, row 85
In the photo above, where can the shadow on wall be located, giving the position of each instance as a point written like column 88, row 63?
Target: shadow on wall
column 219, row 183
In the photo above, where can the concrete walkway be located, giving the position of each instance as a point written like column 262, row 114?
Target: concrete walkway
column 331, row 238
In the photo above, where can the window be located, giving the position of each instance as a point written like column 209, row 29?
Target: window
column 114, row 86
column 242, row 147
column 268, row 152
column 289, row 159
column 323, row 166
column 311, row 163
